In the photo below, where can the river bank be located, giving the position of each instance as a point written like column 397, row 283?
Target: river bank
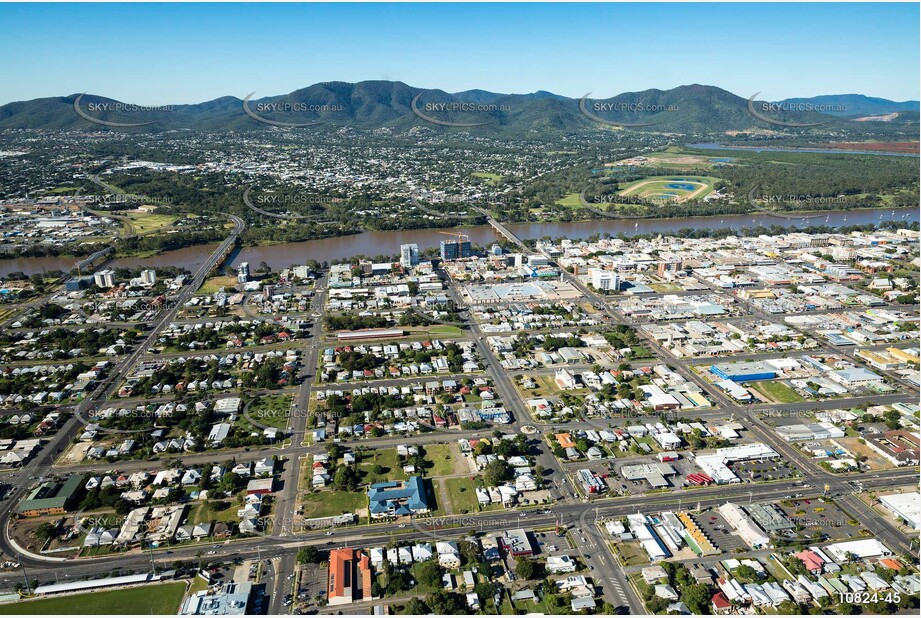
column 372, row 243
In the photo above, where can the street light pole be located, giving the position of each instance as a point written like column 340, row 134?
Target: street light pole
column 25, row 575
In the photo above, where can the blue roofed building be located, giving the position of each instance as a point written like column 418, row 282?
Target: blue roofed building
column 398, row 499
column 746, row 371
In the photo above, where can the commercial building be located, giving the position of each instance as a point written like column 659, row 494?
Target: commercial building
column 854, row 377
column 604, row 280
column 809, row 431
column 52, row 498
column 517, row 543
column 652, row 473
column 455, row 249
column 865, row 548
column 370, row 333
column 231, row 599
column 349, row 576
column 75, row 284
column 901, row 447
column 658, row 399
column 906, row 507
column 409, row 255
column 769, row 517
column 747, row 529
column 591, row 483
column 96, row 584
column 715, row 465
column 104, row 279
column 644, row 533
column 737, row 392
column 747, row 371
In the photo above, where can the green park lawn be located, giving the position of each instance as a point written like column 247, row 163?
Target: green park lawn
column 155, row 599
column 493, row 179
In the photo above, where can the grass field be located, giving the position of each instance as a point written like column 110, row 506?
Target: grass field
column 328, row 502
column 547, row 387
column 570, row 201
column 462, row 494
column 145, row 222
column 445, row 330
column 493, row 179
column 214, row 510
column 213, row 284
column 777, row 391
column 154, row 599
column 388, row 460
column 674, row 157
column 630, row 554
column 445, row 459
column 268, row 410
column 665, row 288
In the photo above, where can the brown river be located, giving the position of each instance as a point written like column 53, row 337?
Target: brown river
column 388, row 243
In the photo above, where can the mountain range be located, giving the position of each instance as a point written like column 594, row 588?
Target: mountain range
column 381, row 104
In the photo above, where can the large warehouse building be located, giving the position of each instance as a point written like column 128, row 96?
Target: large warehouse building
column 747, row 371
column 904, row 506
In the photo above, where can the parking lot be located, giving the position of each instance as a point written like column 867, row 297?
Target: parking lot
column 751, row 471
column 550, row 544
column 312, row 584
column 718, row 531
column 813, row 515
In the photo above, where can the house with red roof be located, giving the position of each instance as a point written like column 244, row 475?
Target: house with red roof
column 812, row 560
column 720, row 603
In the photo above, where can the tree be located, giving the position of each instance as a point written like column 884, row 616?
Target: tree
column 345, row 479
column 747, row 573
column 696, row 597
column 495, row 472
column 845, row 609
column 788, row 608
column 46, row 531
column 417, row 607
column 525, row 569
column 309, row 554
column 445, row 603
column 398, row 582
column 429, row 573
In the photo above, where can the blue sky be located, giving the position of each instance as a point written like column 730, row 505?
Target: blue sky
column 185, row 53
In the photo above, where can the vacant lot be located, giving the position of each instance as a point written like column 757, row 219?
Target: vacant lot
column 778, row 392
column 462, row 494
column 146, row 223
column 328, row 502
column 445, row 459
column 268, row 411
column 214, row 284
column 381, row 466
